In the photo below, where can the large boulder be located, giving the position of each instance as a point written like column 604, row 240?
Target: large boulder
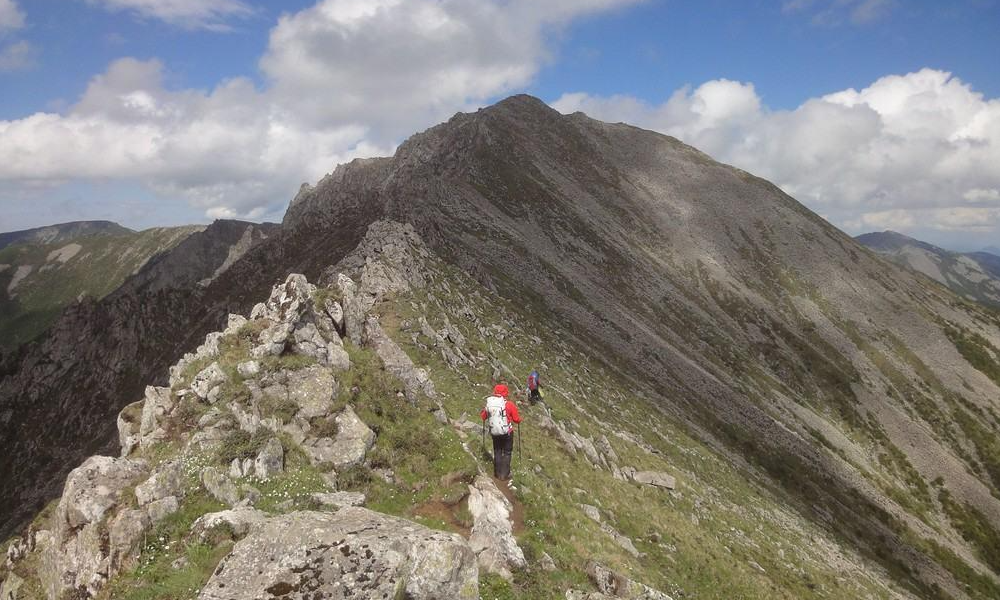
column 313, row 389
column 354, row 440
column 492, row 536
column 125, row 533
column 353, row 553
column 655, row 478
column 78, row 557
column 92, row 489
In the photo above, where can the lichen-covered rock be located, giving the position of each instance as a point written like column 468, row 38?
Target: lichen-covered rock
column 272, row 341
column 492, row 536
column 591, row 512
column 92, row 489
column 220, row 486
column 353, row 553
column 313, row 389
column 618, row 586
column 128, row 427
column 10, row 586
column 248, row 369
column 162, row 508
column 354, row 440
column 158, row 404
column 287, row 301
column 655, row 478
column 415, row 379
column 207, row 380
column 166, row 480
column 238, row 521
column 125, row 536
column 270, row 460
column 339, row 499
column 320, row 451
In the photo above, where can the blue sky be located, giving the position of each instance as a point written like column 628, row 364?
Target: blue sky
column 875, row 113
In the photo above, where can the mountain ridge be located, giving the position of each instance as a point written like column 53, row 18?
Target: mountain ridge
column 864, row 392
column 973, row 275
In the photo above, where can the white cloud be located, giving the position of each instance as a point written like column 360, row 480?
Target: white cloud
column 345, row 78
column 837, row 12
column 11, row 17
column 17, row 56
column 922, row 142
column 189, row 14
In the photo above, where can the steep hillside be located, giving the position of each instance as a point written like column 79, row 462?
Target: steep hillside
column 291, row 437
column 58, row 393
column 62, row 232
column 864, row 397
column 40, row 274
column 975, row 276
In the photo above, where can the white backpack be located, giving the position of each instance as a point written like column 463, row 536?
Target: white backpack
column 496, row 410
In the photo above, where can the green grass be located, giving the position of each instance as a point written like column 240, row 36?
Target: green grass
column 976, row 349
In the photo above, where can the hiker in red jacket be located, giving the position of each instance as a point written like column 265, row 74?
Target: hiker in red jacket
column 500, row 415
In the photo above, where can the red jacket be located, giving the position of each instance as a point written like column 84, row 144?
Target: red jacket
column 511, row 410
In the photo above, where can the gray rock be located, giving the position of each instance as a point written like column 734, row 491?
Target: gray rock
column 272, row 341
column 591, row 511
column 158, row 404
column 336, row 313
column 220, row 486
column 415, row 380
column 606, row 449
column 92, row 489
column 618, row 586
column 655, row 478
column 166, row 480
column 248, row 369
column 162, row 508
column 320, row 451
column 288, row 301
column 354, row 440
column 313, row 389
column 354, row 310
column 124, row 536
column 234, row 323
column 352, row 553
column 236, row 469
column 547, row 563
column 340, row 499
column 128, row 427
column 207, row 380
column 492, row 537
column 237, row 520
column 270, row 460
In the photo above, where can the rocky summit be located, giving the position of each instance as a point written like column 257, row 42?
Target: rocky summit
column 739, row 399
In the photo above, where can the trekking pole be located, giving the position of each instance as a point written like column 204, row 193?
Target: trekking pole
column 483, row 439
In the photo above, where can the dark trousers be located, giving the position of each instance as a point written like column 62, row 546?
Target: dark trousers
column 503, row 448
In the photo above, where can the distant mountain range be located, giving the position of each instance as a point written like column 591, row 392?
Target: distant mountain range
column 973, row 275
column 63, row 232
column 43, row 270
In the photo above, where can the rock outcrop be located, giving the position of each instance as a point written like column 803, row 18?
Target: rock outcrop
column 492, row 536
column 353, row 553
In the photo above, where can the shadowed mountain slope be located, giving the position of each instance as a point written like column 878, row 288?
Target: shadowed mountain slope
column 41, row 274
column 863, row 391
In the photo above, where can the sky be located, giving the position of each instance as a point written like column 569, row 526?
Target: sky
column 876, row 114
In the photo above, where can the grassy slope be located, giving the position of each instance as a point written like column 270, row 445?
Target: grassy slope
column 102, row 264
column 723, row 533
